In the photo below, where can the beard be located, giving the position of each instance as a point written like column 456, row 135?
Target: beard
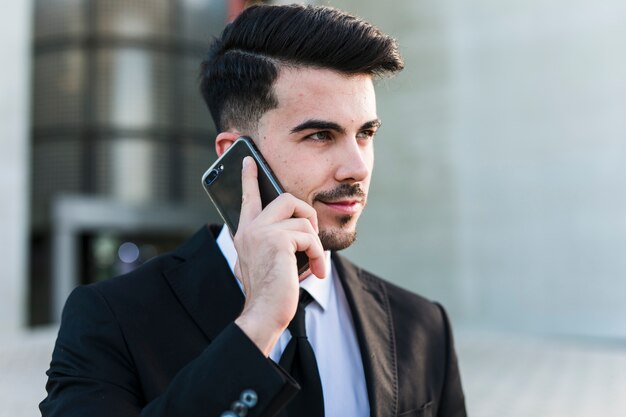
column 342, row 236
column 337, row 239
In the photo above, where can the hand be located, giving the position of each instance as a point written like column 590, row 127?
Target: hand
column 266, row 242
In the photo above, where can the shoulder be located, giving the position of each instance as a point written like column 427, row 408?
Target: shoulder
column 111, row 301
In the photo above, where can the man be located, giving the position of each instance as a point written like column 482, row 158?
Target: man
column 201, row 332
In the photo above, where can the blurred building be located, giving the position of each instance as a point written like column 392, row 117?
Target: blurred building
column 120, row 137
column 499, row 186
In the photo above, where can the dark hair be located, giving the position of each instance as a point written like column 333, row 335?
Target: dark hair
column 242, row 64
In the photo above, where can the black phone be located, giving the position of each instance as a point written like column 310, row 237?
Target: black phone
column 222, row 182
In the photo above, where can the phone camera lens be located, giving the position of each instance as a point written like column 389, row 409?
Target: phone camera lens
column 212, row 176
column 221, row 167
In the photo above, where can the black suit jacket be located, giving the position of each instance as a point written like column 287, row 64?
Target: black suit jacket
column 161, row 341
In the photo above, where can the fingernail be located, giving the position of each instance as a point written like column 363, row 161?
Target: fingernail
column 246, row 162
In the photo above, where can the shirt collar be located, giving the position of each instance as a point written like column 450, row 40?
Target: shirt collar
column 318, row 288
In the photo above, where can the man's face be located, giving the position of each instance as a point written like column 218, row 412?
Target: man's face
column 318, row 142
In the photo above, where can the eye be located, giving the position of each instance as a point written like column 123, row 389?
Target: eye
column 366, row 134
column 320, row 136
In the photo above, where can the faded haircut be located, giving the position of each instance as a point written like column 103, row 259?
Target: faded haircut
column 240, row 68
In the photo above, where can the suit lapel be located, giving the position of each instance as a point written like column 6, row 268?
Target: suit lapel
column 204, row 284
column 369, row 305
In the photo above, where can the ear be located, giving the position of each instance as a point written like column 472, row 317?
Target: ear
column 224, row 140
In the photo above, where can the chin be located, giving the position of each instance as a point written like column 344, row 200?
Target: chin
column 338, row 237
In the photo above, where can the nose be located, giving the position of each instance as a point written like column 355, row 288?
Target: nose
column 354, row 161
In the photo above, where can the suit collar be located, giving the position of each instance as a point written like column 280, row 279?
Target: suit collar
column 369, row 304
column 204, row 283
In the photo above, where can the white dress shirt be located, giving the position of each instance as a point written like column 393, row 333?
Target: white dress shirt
column 330, row 331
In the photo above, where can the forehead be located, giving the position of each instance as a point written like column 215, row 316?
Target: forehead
column 323, row 94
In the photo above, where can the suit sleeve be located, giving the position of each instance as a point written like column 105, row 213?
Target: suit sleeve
column 92, row 373
column 452, row 402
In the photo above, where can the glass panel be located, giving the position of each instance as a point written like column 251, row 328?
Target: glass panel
column 133, row 88
column 56, row 169
column 134, row 18
column 135, row 170
column 59, row 17
column 58, row 88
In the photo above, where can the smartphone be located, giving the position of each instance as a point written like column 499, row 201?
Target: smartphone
column 222, row 182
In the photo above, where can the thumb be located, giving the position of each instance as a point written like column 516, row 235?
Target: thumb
column 251, row 205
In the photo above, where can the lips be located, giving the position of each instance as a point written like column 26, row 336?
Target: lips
column 344, row 206
column 345, row 199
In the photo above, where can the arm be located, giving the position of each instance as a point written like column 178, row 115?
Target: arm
column 92, row 373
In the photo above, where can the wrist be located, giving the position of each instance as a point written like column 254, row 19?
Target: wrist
column 263, row 333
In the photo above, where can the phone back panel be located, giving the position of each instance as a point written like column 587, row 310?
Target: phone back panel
column 225, row 190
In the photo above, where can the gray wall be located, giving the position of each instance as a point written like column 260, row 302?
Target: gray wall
column 15, row 24
column 500, row 181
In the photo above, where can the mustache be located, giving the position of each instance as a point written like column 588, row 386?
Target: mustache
column 342, row 191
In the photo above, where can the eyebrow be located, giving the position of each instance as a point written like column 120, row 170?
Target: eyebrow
column 327, row 125
column 376, row 123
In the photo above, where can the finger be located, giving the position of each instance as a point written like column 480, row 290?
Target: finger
column 286, row 206
column 297, row 225
column 250, row 196
column 304, row 226
column 311, row 245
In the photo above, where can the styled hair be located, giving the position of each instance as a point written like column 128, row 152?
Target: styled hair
column 241, row 66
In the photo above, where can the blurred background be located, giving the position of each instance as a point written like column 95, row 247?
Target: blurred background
column 499, row 187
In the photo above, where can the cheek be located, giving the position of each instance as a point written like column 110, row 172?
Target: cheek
column 298, row 176
column 296, row 179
